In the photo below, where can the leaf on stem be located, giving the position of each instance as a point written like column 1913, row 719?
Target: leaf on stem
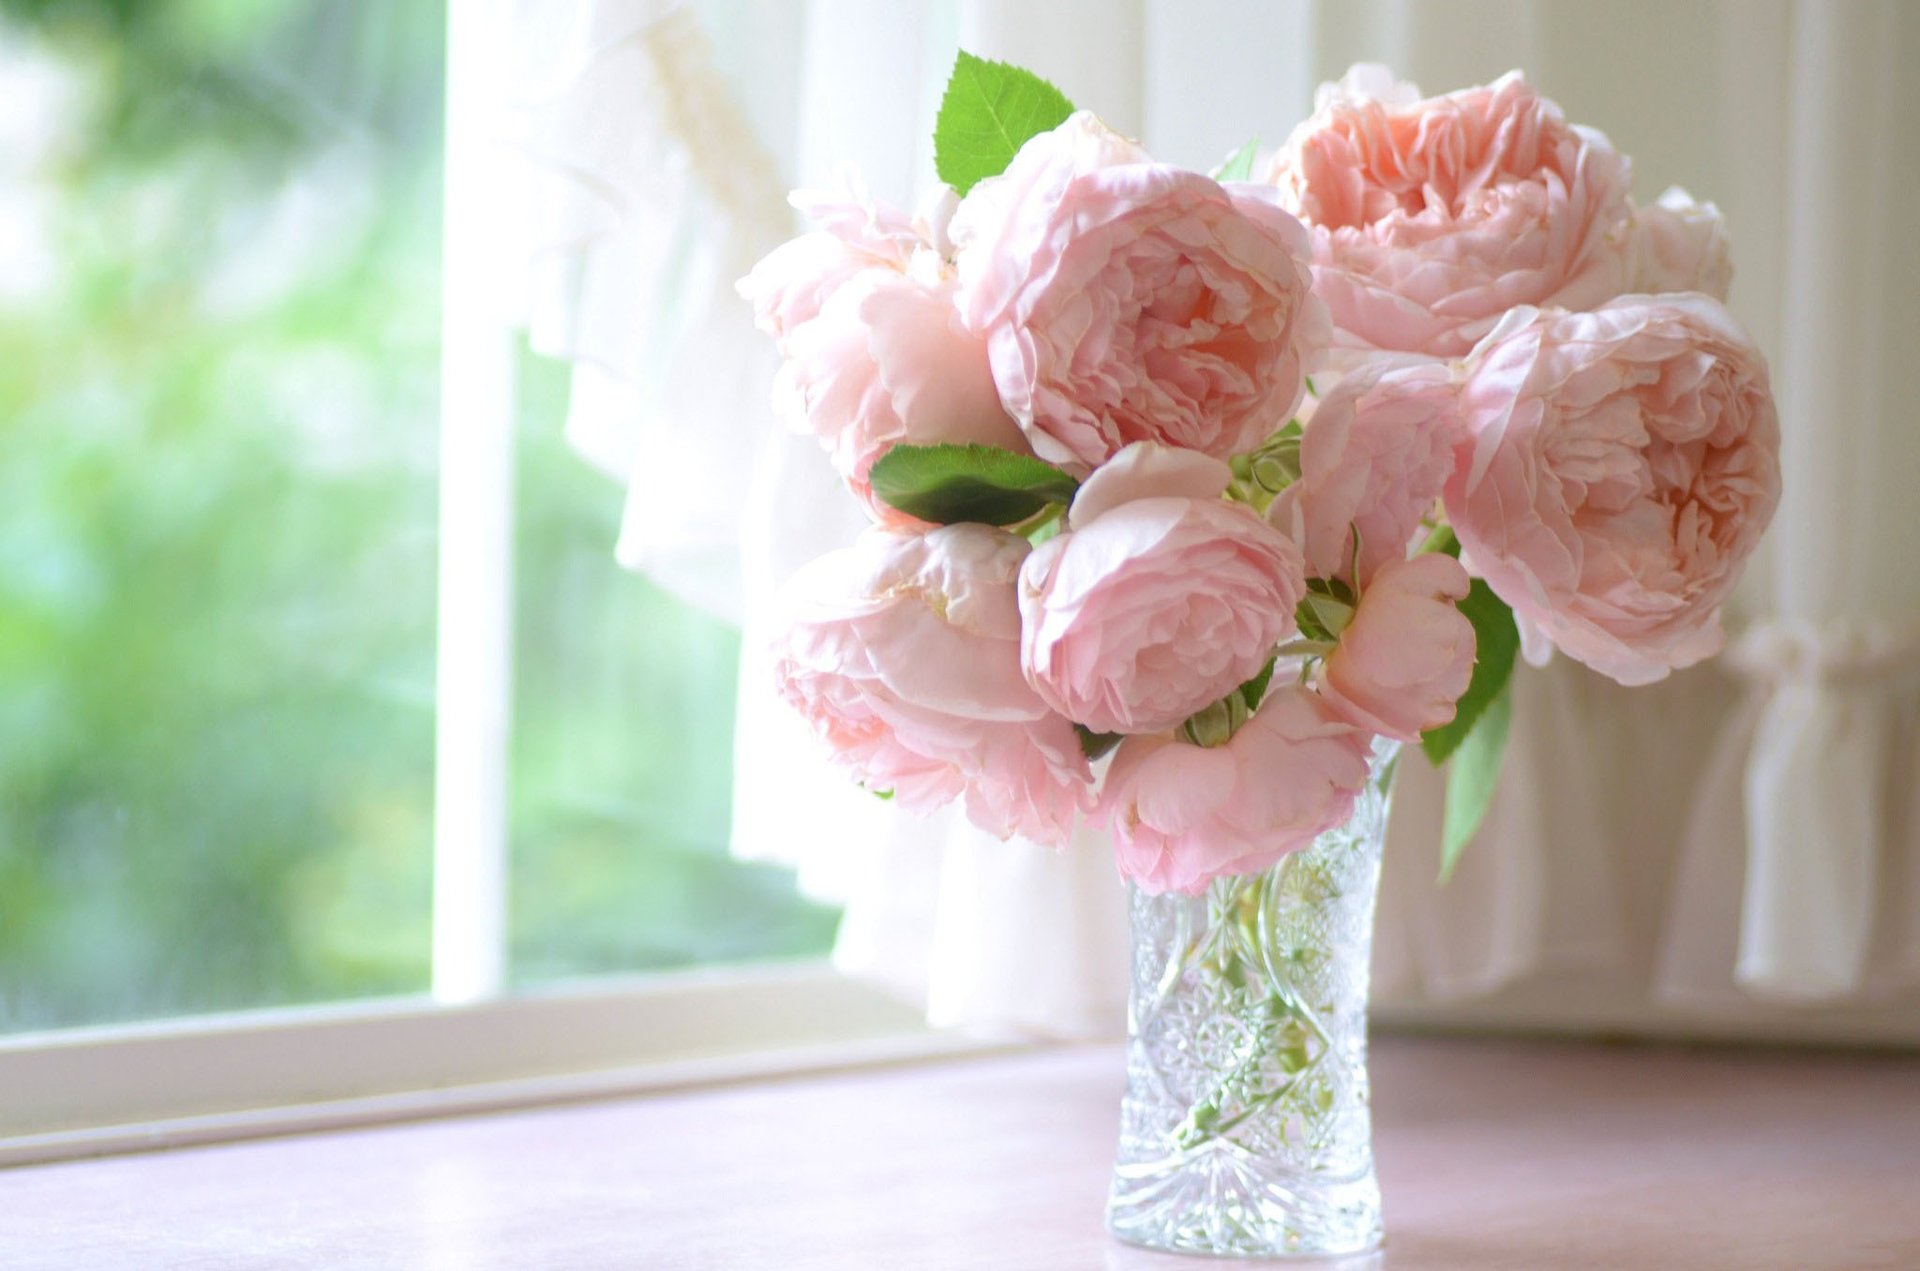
column 1092, row 744
column 1239, row 164
column 989, row 111
column 1256, row 688
column 948, row 484
column 1472, row 777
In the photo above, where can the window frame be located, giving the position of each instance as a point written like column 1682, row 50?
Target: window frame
column 467, row 1045
column 94, row 1091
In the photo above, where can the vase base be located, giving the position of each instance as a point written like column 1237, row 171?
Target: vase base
column 1364, row 1259
column 1232, row 1212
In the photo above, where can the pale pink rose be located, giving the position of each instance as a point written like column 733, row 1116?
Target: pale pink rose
column 1618, row 470
column 1680, row 245
column 794, row 281
column 874, row 353
column 1374, row 457
column 903, row 654
column 1407, row 655
column 1364, row 82
column 1125, row 300
column 886, row 361
column 1159, row 598
column 1432, row 217
column 1183, row 815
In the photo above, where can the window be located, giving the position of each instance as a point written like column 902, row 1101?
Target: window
column 622, row 740
column 236, row 556
column 217, row 503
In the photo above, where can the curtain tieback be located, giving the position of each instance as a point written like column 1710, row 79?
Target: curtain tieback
column 1812, row 794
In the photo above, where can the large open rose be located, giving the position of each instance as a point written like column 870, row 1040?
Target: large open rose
column 1125, row 300
column 853, row 234
column 903, row 654
column 1432, row 217
column 1183, row 815
column 1619, row 469
column 1159, row 599
column 886, row 361
column 873, row 352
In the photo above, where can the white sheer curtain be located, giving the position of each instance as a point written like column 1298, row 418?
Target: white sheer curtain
column 1742, row 837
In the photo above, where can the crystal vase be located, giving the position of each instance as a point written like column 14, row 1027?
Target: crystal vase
column 1245, row 1128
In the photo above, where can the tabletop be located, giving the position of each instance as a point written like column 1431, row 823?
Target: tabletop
column 1494, row 1155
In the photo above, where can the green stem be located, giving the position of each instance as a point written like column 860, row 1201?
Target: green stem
column 1243, row 929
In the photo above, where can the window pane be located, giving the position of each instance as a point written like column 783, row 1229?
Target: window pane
column 623, row 738
column 218, row 345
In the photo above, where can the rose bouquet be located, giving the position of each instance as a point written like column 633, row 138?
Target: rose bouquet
column 1192, row 494
column 1230, row 476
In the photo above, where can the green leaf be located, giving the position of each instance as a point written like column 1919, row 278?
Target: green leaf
column 1239, row 164
column 1496, row 641
column 949, row 484
column 1093, row 744
column 989, row 111
column 1256, row 688
column 1471, row 780
column 1336, row 588
column 1321, row 616
column 1306, row 619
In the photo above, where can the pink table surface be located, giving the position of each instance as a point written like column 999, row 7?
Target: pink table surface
column 1494, row 1155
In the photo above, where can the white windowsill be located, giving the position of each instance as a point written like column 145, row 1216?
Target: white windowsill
column 95, row 1091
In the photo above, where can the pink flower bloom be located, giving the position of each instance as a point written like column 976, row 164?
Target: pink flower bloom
column 886, row 361
column 903, row 654
column 1183, row 815
column 1407, row 655
column 1373, row 459
column 1125, row 300
column 1618, row 470
column 1680, row 245
column 1431, row 218
column 874, row 353
column 790, row 286
column 1159, row 599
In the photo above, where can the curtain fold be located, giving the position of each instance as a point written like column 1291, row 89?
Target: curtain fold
column 1744, row 832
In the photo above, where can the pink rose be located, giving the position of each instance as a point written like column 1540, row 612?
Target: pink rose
column 1618, row 470
column 1431, row 218
column 1159, row 598
column 903, row 654
column 1183, row 815
column 1407, row 655
column 874, row 351
column 886, row 361
column 1125, row 300
column 790, row 286
column 1373, row 459
column 1680, row 245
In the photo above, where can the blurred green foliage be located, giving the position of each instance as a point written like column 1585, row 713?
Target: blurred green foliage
column 218, row 351
column 623, row 739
